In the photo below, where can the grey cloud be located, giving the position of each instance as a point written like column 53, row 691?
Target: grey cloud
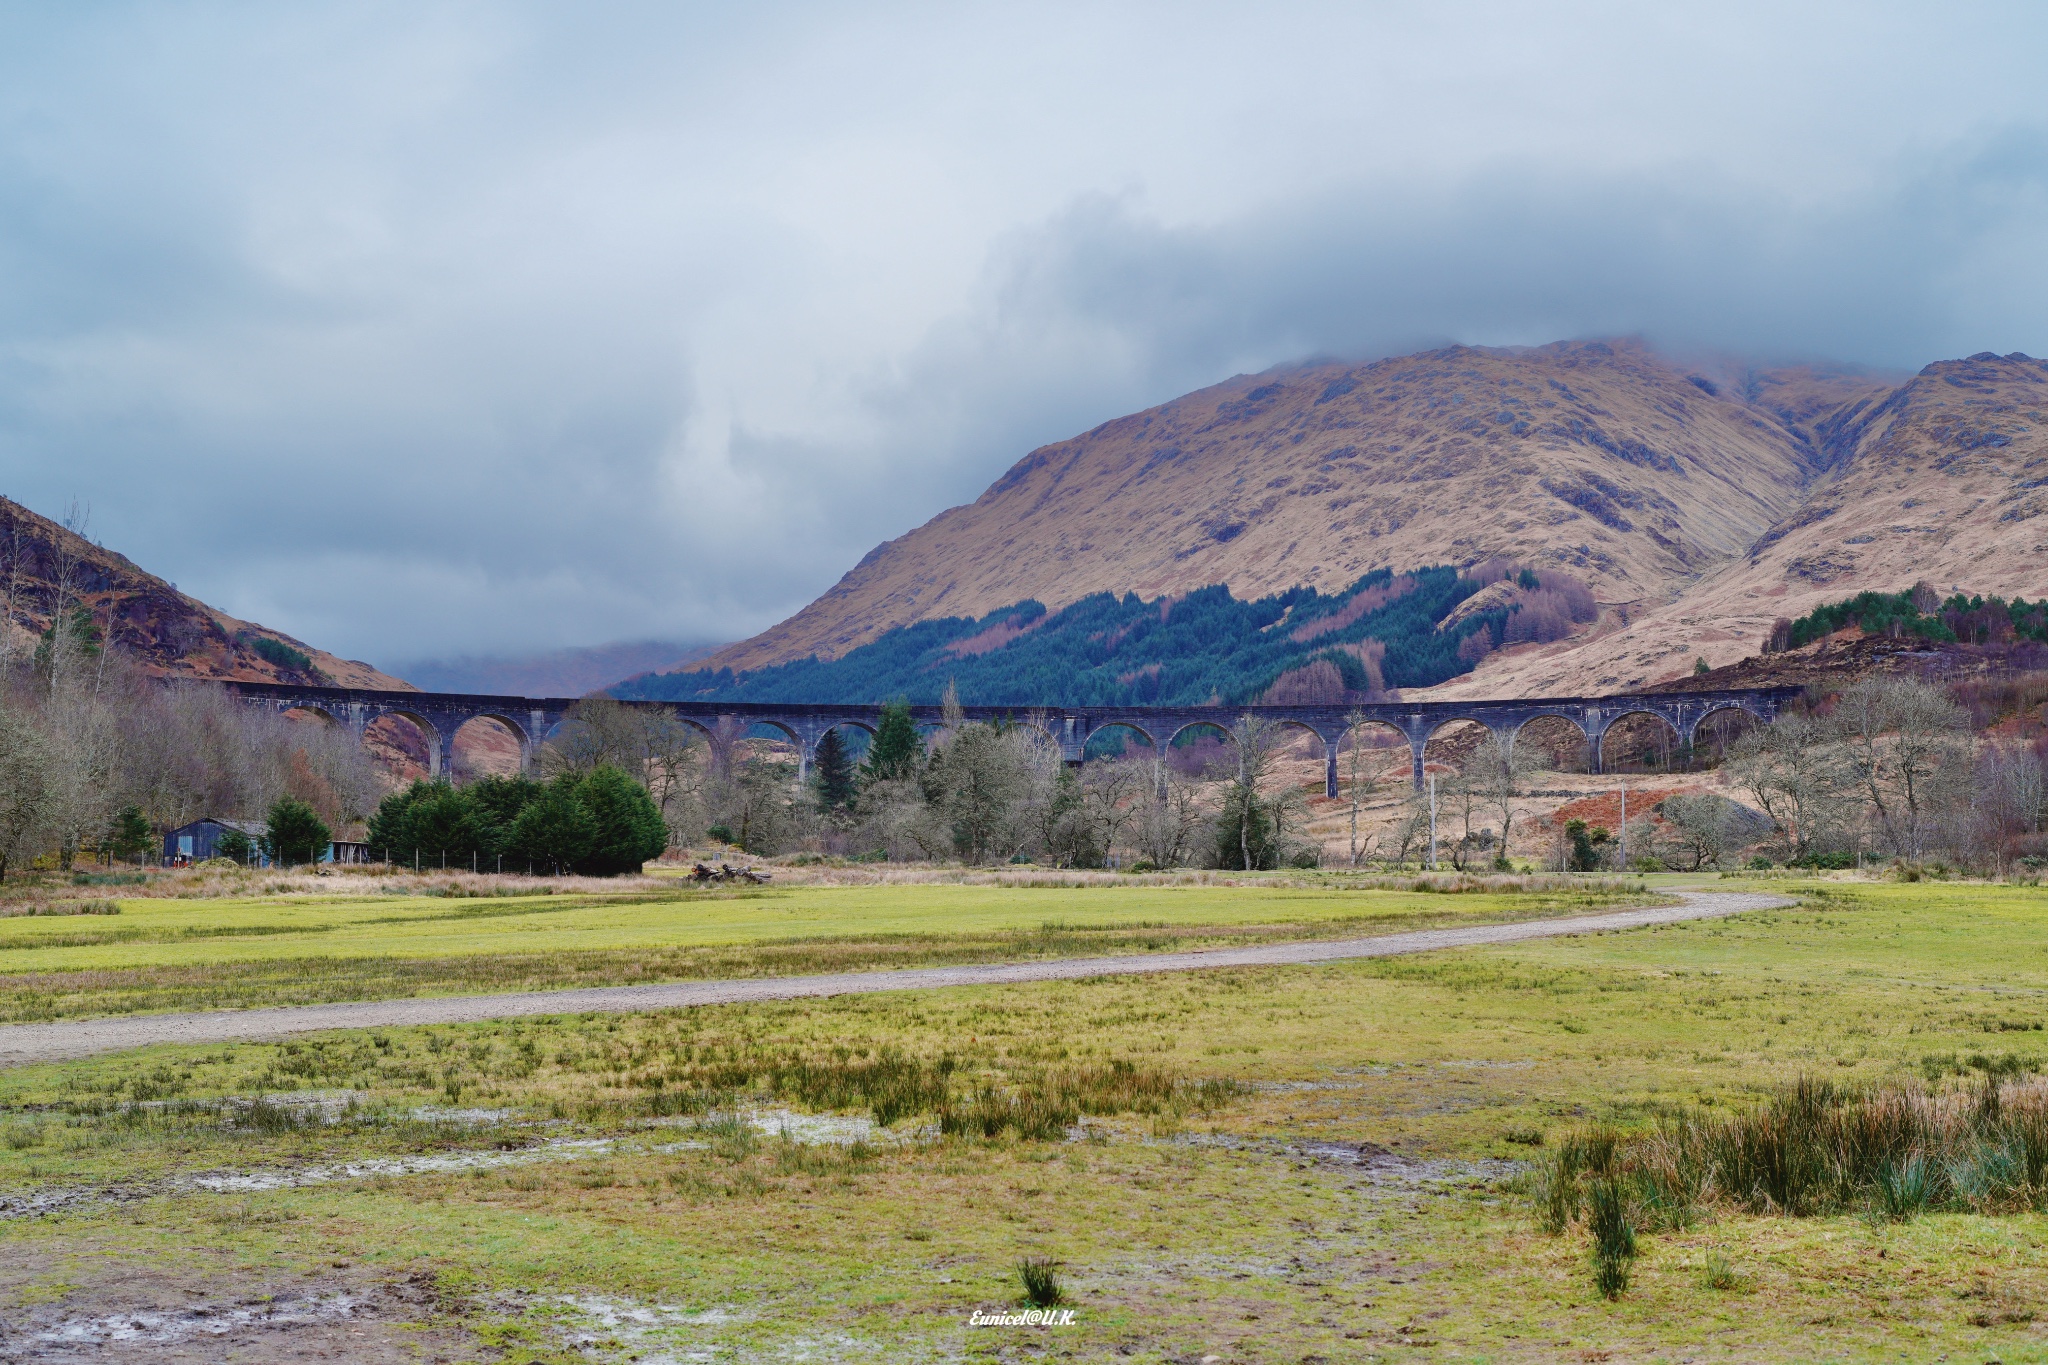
column 1104, row 309
column 426, row 330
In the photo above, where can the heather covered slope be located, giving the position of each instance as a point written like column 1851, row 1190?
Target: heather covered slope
column 1943, row 479
column 43, row 565
column 1635, row 472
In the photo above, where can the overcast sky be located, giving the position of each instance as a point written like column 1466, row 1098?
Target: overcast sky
column 420, row 329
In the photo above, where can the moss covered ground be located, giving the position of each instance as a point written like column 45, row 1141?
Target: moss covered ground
column 1327, row 1162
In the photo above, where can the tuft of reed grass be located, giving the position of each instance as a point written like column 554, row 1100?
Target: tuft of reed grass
column 1612, row 1223
column 1719, row 1272
column 1042, row 1106
column 1040, row 1276
column 730, row 1136
column 1817, row 1148
column 1039, row 1104
column 1903, row 1188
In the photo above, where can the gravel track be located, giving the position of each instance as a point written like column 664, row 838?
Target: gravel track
column 21, row 1044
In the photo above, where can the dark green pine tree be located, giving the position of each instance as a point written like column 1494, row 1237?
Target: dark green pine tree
column 129, row 836
column 554, row 831
column 626, row 828
column 898, row 750
column 296, row 833
column 833, row 771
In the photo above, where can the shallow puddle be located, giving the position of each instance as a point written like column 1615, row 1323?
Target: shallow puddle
column 810, row 1130
column 566, row 1149
column 611, row 1327
column 782, row 1124
column 160, row 1328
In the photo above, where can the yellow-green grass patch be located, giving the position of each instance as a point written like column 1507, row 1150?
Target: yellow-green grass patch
column 1249, row 1231
column 169, row 954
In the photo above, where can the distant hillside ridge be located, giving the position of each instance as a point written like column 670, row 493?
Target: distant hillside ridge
column 1635, row 472
column 45, row 567
column 1384, row 632
column 553, row 673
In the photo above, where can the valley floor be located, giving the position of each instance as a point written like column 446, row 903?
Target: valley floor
column 1313, row 1162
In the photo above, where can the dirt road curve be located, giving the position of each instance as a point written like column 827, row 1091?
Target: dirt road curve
column 24, row 1043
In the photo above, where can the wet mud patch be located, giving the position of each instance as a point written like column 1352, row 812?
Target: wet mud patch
column 607, row 1327
column 98, row 1309
column 781, row 1125
column 374, row 1168
column 1376, row 1164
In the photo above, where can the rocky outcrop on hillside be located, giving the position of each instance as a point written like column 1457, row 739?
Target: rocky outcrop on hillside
column 46, row 568
column 1634, row 472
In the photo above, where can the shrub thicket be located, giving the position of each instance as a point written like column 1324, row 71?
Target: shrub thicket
column 280, row 654
column 599, row 824
column 1921, row 613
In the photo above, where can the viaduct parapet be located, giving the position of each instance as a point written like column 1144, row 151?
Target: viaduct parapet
column 438, row 715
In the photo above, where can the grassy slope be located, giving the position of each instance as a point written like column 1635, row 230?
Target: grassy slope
column 1229, row 1238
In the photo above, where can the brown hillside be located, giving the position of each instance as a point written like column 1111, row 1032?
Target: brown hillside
column 43, row 565
column 1944, row 478
column 1635, row 472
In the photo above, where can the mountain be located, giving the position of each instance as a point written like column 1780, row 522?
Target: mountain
column 44, row 566
column 1697, row 498
column 1942, row 477
column 555, row 673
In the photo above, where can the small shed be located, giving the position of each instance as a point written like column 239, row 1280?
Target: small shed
column 347, row 851
column 200, row 840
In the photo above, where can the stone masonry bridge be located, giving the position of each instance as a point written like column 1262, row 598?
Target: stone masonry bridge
column 438, row 715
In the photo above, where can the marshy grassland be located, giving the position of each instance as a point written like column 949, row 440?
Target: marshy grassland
column 305, row 940
column 1346, row 1161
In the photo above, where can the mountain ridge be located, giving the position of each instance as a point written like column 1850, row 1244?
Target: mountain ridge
column 1947, row 482
column 51, row 568
column 571, row 672
column 1641, row 473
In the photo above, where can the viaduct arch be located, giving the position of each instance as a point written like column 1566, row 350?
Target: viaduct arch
column 531, row 719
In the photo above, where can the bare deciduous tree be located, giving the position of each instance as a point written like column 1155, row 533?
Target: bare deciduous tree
column 1255, row 824
column 1170, row 816
column 1700, row 826
column 23, row 780
column 1796, row 775
column 1112, row 791
column 1898, row 733
column 981, row 779
column 1410, row 831
column 1495, row 774
column 2009, row 799
column 1361, row 779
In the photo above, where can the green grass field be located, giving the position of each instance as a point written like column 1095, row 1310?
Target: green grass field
column 1352, row 1183
column 163, row 953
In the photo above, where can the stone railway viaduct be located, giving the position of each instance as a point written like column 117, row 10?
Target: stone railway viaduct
column 438, row 715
